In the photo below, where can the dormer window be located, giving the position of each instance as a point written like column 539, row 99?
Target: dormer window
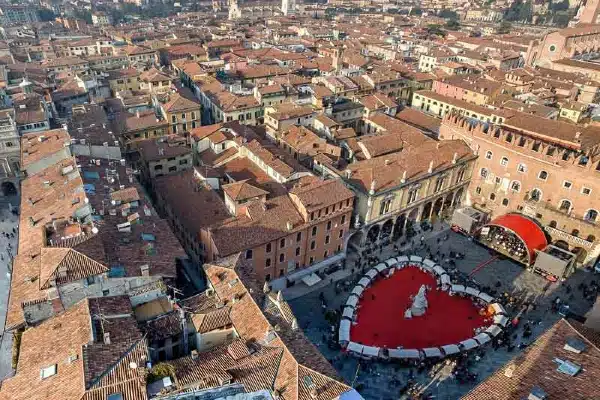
column 48, row 371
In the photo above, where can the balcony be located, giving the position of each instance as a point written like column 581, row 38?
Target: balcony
column 541, row 206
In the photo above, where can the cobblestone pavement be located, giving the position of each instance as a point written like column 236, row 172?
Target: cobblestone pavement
column 8, row 221
column 380, row 380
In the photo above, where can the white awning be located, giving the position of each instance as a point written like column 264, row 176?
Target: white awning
column 450, row 349
column 381, row 267
column 371, row 351
column 355, row 348
column 469, row 344
column 358, row 290
column 485, row 297
column 500, row 320
column 404, row 353
column 429, row 263
column 348, row 312
column 402, row 259
column 498, row 309
column 311, row 280
column 494, row 330
column 472, row 291
column 344, row 333
column 390, row 262
column 372, row 273
column 364, row 282
column 352, row 300
column 482, row 338
column 432, row 352
column 416, row 259
column 457, row 288
column 445, row 278
column 439, row 270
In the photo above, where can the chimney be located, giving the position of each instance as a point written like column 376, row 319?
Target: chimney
column 430, row 169
column 454, row 158
column 373, row 184
column 294, row 324
column 403, row 180
column 194, row 354
column 387, row 162
column 289, row 226
column 106, row 337
column 137, row 114
column 348, row 174
column 279, row 296
column 266, row 287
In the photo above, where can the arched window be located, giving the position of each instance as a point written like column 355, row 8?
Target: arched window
column 484, row 173
column 489, row 155
column 552, row 224
column 492, row 196
column 522, row 168
column 565, row 205
column 515, row 186
column 505, row 202
column 543, row 175
column 504, row 161
column 535, row 194
column 591, row 215
column 575, row 232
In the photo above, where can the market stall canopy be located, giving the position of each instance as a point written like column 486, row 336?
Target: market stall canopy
column 469, row 344
column 404, row 353
column 364, row 282
column 432, row 352
column 450, row 349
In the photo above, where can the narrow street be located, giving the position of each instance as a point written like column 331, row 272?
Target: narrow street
column 8, row 248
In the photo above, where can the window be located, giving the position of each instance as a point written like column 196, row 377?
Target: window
column 591, row 215
column 575, row 232
column 439, row 184
column 484, row 173
column 268, row 248
column 297, row 251
column 248, row 254
column 488, row 155
column 312, row 216
column 543, row 175
column 498, row 180
column 174, row 119
column 552, row 224
column 328, row 225
column 567, row 185
column 158, row 167
column 504, row 161
column 48, row 371
column 341, row 233
column 183, row 162
column 492, row 196
column 314, row 231
column 311, row 260
column 412, row 196
column 385, row 206
column 282, row 243
column 281, row 257
column 325, row 254
column 312, row 245
column 535, row 195
column 478, row 190
column 9, row 144
column 268, row 262
column 536, row 147
column 299, row 236
column 522, row 168
column 565, row 205
column 505, row 202
column 343, row 220
column 586, row 191
column 327, row 239
column 268, row 277
column 515, row 186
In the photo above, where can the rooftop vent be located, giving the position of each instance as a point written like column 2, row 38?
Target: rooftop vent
column 574, row 345
column 537, row 393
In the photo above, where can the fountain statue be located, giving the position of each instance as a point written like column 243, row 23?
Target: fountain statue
column 419, row 305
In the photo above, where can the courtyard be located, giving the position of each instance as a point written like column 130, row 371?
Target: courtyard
column 524, row 294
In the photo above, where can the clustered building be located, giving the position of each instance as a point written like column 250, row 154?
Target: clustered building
column 177, row 174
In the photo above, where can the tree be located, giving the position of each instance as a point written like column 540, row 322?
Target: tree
column 436, row 30
column 452, row 25
column 520, row 11
column 448, row 14
column 46, row 15
column 416, row 11
column 561, row 6
column 504, row 27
